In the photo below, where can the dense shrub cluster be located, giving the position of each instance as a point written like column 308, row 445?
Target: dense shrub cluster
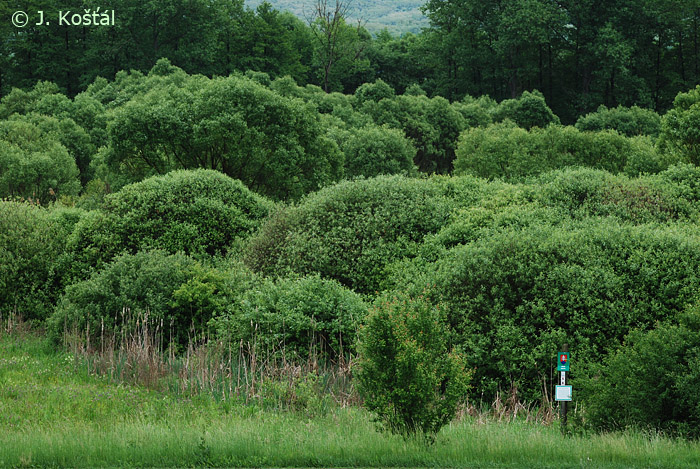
column 509, row 152
column 515, row 294
column 295, row 318
column 528, row 111
column 172, row 293
column 31, row 242
column 351, row 231
column 195, row 212
column 651, row 381
column 630, row 121
column 545, row 234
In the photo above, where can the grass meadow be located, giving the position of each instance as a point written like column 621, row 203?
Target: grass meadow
column 56, row 413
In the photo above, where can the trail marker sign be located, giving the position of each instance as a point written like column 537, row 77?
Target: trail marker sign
column 563, row 362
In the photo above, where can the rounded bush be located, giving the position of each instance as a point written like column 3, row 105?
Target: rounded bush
column 511, row 153
column 170, row 292
column 32, row 241
column 528, row 111
column 371, row 151
column 195, row 212
column 298, row 318
column 628, row 121
column 349, row 232
column 515, row 295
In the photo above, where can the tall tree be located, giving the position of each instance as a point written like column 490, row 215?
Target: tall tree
column 337, row 45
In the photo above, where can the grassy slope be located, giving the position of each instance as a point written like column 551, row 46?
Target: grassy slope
column 54, row 415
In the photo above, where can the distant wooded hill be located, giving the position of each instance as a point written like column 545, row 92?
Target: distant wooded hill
column 397, row 16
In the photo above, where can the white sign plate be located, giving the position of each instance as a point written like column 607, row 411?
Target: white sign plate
column 562, row 393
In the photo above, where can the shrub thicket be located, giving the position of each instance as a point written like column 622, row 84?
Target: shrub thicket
column 295, row 318
column 172, row 293
column 528, row 111
column 32, row 242
column 195, row 212
column 372, row 150
column 516, row 294
column 349, row 232
column 629, row 121
column 511, row 153
column 651, row 381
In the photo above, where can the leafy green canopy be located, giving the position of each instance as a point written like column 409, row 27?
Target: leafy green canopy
column 167, row 293
column 512, row 153
column 515, row 293
column 196, row 212
column 680, row 127
column 651, row 381
column 295, row 318
column 408, row 373
column 275, row 145
column 33, row 162
column 628, row 121
column 79, row 124
column 372, row 150
column 32, row 240
column 432, row 124
column 528, row 111
column 349, row 232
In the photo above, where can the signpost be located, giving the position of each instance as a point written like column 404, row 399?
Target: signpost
column 562, row 392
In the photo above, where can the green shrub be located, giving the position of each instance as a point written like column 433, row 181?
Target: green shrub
column 196, row 212
column 628, row 121
column 31, row 242
column 172, row 293
column 679, row 127
column 528, row 111
column 515, row 294
column 583, row 192
column 295, row 318
column 432, row 124
column 349, row 232
column 511, row 153
column 33, row 161
column 372, row 150
column 651, row 382
column 373, row 92
column 408, row 373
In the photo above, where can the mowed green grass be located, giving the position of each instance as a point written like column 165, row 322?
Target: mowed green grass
column 52, row 415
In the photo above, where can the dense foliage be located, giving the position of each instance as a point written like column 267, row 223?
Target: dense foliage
column 350, row 232
column 409, row 374
column 295, row 319
column 651, row 381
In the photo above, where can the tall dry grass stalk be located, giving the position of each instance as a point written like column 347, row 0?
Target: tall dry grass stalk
column 139, row 353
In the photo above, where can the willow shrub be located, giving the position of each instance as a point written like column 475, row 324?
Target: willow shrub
column 172, row 293
column 295, row 318
column 32, row 241
column 509, row 152
column 199, row 212
column 650, row 382
column 350, row 231
column 515, row 294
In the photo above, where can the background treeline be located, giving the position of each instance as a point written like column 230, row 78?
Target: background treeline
column 578, row 54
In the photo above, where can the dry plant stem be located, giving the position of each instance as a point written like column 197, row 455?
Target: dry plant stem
column 136, row 354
